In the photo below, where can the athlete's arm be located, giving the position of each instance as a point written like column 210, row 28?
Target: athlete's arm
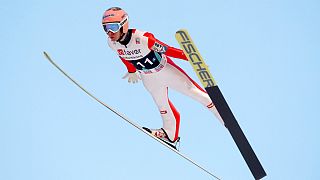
column 130, row 67
column 158, row 46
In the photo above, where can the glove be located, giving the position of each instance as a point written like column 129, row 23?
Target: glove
column 132, row 77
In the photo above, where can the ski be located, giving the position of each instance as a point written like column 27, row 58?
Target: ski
column 169, row 146
column 207, row 80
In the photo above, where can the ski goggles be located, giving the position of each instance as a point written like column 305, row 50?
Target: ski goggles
column 114, row 27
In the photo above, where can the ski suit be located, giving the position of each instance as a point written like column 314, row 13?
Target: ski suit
column 141, row 51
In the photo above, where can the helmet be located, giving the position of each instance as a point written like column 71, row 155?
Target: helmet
column 116, row 15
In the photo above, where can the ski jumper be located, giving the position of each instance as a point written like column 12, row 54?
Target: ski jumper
column 141, row 51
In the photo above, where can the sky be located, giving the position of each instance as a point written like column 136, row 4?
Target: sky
column 264, row 56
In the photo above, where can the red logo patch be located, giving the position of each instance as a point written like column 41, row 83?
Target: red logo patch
column 120, row 52
column 137, row 40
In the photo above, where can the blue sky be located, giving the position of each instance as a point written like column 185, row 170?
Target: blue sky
column 263, row 54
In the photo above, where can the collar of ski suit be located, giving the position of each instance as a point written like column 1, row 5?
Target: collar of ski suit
column 127, row 38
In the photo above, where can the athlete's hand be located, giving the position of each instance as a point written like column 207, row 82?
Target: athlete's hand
column 132, row 77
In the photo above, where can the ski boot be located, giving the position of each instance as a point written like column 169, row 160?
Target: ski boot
column 163, row 136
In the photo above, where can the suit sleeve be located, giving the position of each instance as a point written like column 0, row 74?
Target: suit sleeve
column 130, row 67
column 158, row 46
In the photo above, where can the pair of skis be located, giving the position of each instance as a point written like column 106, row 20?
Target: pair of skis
column 217, row 98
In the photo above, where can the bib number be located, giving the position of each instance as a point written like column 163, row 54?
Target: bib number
column 151, row 61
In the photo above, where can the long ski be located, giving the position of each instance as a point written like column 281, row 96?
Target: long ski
column 129, row 121
column 207, row 80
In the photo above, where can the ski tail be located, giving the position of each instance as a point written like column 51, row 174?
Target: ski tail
column 236, row 132
column 207, row 80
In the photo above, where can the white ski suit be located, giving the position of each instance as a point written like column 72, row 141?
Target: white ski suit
column 141, row 51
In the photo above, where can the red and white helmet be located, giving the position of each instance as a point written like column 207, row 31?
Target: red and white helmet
column 114, row 19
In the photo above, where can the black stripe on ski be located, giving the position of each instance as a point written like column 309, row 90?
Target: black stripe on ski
column 236, row 132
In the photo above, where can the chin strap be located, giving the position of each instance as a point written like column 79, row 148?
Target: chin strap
column 125, row 37
column 121, row 39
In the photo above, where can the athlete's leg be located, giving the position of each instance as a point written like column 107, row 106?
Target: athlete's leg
column 169, row 114
column 180, row 81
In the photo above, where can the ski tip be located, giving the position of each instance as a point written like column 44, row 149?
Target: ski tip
column 46, row 55
column 182, row 29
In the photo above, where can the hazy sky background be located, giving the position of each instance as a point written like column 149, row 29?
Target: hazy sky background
column 263, row 54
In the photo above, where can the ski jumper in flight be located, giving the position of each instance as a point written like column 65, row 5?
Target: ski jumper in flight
column 148, row 59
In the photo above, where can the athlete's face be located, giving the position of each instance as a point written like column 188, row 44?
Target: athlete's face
column 114, row 36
